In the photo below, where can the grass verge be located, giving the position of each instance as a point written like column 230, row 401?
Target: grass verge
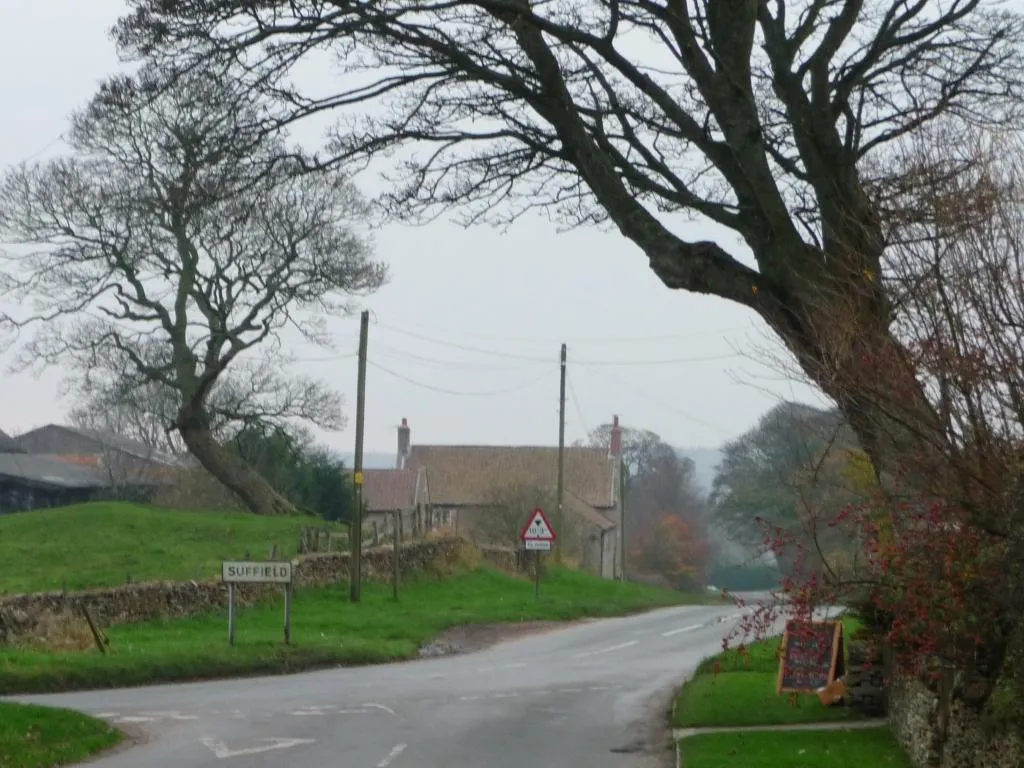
column 41, row 737
column 734, row 689
column 796, row 749
column 104, row 543
column 326, row 629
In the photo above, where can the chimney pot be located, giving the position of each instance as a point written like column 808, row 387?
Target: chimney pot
column 615, row 441
column 404, row 440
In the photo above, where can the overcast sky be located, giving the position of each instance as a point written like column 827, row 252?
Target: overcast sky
column 465, row 337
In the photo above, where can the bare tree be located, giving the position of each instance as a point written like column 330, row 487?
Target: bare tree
column 170, row 250
column 508, row 510
column 144, row 414
column 757, row 116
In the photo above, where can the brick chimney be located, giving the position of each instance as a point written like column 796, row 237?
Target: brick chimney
column 615, row 441
column 404, row 437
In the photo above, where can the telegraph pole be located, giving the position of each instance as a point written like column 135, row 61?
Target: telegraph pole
column 622, row 516
column 356, row 526
column 560, row 499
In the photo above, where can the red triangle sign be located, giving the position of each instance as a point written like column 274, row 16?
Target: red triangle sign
column 537, row 528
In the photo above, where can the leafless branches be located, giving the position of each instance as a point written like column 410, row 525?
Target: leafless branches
column 172, row 247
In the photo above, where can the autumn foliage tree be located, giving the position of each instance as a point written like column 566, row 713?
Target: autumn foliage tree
column 675, row 550
column 659, row 483
column 940, row 567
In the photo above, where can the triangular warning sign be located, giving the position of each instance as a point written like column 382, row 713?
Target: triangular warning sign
column 537, row 528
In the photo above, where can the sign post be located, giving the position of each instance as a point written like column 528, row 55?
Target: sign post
column 234, row 573
column 537, row 536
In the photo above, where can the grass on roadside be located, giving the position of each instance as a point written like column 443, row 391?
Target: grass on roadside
column 41, row 737
column 741, row 691
column 748, row 698
column 795, row 749
column 103, row 543
column 326, row 629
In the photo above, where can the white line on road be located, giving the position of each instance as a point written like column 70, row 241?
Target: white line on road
column 392, row 756
column 679, row 631
column 136, row 719
column 609, row 649
column 389, row 710
column 221, row 752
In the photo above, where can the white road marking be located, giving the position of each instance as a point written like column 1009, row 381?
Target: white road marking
column 389, row 710
column 609, row 649
column 221, row 752
column 470, row 698
column 392, row 756
column 136, row 719
column 106, row 715
column 690, row 628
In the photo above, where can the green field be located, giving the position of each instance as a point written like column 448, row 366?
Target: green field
column 41, row 737
column 105, row 544
column 742, row 692
column 859, row 748
column 327, row 629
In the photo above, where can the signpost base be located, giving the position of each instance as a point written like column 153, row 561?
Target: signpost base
column 536, row 569
column 231, row 614
column 287, row 614
column 244, row 572
column 537, row 536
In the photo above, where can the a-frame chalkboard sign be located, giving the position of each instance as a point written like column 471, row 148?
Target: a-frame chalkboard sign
column 812, row 656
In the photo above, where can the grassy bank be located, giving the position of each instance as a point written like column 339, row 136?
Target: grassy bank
column 741, row 692
column 326, row 629
column 738, row 690
column 103, row 544
column 796, row 749
column 38, row 737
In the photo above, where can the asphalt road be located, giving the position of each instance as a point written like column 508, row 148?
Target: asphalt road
column 586, row 695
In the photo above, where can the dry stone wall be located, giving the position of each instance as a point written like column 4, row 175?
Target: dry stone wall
column 914, row 717
column 20, row 615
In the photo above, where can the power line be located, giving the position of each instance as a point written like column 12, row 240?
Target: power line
column 658, row 400
column 576, row 405
column 595, row 339
column 506, row 390
column 38, row 152
column 400, row 354
column 537, row 359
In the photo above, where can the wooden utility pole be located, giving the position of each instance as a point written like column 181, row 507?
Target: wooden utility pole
column 560, row 493
column 356, row 526
column 395, row 564
column 622, row 517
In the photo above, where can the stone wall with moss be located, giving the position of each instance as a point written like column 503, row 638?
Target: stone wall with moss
column 22, row 615
column 973, row 740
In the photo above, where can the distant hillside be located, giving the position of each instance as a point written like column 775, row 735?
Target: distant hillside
column 704, row 462
column 370, row 460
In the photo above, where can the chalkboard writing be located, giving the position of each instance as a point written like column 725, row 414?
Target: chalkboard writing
column 812, row 656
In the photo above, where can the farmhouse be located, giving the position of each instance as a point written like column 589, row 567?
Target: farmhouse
column 487, row 492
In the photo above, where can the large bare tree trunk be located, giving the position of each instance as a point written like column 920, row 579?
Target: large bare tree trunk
column 255, row 492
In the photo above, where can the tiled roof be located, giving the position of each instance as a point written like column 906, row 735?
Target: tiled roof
column 385, row 490
column 8, row 444
column 48, row 470
column 586, row 512
column 468, row 474
column 115, row 442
